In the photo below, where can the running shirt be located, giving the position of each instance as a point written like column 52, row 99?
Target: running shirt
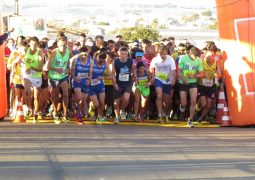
column 123, row 72
column 188, row 66
column 107, row 82
column 82, row 70
column 17, row 78
column 97, row 72
column 32, row 61
column 210, row 70
column 163, row 68
column 60, row 62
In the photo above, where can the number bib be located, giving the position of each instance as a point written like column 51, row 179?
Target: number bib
column 162, row 76
column 32, row 72
column 142, row 82
column 207, row 82
column 124, row 77
column 57, row 73
column 83, row 75
column 95, row 82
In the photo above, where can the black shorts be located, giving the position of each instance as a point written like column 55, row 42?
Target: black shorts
column 45, row 83
column 187, row 87
column 122, row 90
column 19, row 86
column 206, row 91
column 56, row 83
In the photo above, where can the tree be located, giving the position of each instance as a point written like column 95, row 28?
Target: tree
column 213, row 26
column 139, row 32
column 206, row 13
column 191, row 18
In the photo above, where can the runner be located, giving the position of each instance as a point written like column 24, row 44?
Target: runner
column 142, row 91
column 164, row 69
column 58, row 74
column 32, row 76
column 121, row 72
column 97, row 86
column 190, row 69
column 206, row 85
column 16, row 58
column 81, row 72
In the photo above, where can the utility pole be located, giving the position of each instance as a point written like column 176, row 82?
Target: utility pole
column 17, row 7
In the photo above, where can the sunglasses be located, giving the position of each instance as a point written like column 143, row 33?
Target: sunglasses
column 84, row 54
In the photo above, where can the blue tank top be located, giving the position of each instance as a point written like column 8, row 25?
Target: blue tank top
column 82, row 70
column 97, row 72
column 123, row 72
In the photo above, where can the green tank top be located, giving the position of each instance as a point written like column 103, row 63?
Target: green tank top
column 32, row 61
column 59, row 62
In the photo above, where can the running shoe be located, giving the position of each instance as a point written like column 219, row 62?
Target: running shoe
column 56, row 118
column 35, row 119
column 65, row 119
column 117, row 120
column 190, row 123
column 123, row 115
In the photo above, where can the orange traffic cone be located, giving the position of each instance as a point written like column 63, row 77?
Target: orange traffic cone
column 226, row 120
column 220, row 105
column 19, row 113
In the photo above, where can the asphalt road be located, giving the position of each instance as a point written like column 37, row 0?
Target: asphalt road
column 109, row 152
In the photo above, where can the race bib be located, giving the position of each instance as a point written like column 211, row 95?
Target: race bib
column 124, row 77
column 162, row 76
column 207, row 82
column 83, row 75
column 57, row 73
column 95, row 82
column 32, row 72
column 142, row 82
column 186, row 73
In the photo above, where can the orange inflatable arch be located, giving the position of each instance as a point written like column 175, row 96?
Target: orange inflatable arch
column 236, row 19
column 3, row 94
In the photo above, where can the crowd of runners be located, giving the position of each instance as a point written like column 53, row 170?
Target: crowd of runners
column 94, row 79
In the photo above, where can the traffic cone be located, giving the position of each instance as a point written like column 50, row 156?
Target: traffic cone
column 220, row 106
column 19, row 113
column 226, row 120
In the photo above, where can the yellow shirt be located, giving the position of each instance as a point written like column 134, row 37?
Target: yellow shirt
column 16, row 70
column 209, row 70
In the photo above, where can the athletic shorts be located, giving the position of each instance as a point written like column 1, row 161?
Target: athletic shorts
column 36, row 82
column 206, row 91
column 45, row 83
column 83, row 86
column 97, row 89
column 187, row 87
column 122, row 90
column 55, row 83
column 165, row 87
column 19, row 86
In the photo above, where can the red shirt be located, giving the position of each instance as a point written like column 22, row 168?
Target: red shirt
column 148, row 59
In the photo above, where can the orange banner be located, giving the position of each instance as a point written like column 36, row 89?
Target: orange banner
column 236, row 19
